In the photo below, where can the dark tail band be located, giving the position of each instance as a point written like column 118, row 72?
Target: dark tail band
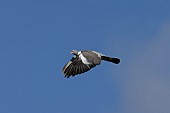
column 109, row 59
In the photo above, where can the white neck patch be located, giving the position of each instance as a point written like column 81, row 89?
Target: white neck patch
column 79, row 52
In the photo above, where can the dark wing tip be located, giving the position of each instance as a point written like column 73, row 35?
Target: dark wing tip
column 77, row 69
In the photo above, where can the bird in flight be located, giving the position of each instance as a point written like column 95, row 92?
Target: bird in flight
column 82, row 61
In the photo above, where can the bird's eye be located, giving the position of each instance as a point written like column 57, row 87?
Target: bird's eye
column 74, row 56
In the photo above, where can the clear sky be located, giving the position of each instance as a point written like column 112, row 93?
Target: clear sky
column 36, row 37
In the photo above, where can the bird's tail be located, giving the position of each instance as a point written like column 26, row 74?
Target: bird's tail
column 109, row 59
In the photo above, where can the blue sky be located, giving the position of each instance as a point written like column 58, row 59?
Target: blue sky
column 37, row 36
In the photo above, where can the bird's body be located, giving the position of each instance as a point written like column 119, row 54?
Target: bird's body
column 84, row 61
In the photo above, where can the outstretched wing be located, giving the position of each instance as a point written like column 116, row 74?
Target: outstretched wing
column 76, row 66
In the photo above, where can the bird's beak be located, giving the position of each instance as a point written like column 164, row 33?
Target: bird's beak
column 71, row 52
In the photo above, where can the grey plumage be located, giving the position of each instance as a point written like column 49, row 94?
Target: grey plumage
column 84, row 61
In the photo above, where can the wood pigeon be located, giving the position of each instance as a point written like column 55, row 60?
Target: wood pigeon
column 83, row 61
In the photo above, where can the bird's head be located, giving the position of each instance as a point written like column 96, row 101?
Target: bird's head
column 74, row 52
